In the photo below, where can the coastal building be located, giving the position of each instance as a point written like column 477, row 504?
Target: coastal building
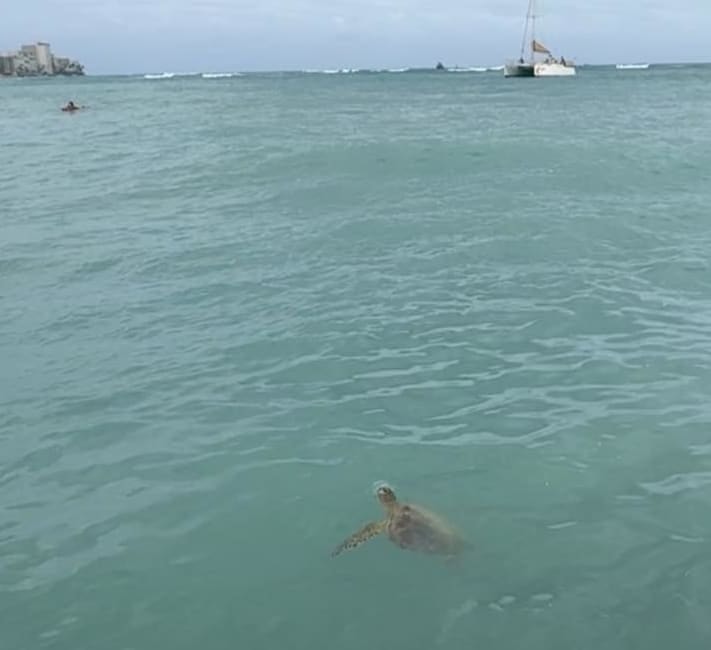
column 26, row 62
column 37, row 59
column 60, row 63
column 7, row 64
column 63, row 65
column 43, row 55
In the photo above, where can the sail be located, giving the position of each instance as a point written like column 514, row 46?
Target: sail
column 539, row 47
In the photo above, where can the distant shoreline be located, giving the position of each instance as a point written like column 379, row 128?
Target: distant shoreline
column 38, row 60
column 333, row 71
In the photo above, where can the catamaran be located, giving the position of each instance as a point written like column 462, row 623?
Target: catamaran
column 533, row 66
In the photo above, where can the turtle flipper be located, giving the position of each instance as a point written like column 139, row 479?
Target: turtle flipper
column 363, row 535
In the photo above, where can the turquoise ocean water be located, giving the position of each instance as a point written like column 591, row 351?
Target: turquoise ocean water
column 229, row 307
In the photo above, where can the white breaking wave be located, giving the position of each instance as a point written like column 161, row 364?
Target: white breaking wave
column 632, row 66
column 337, row 71
column 204, row 75
column 220, row 75
column 170, row 75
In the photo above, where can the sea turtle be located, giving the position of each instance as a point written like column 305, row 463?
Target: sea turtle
column 408, row 526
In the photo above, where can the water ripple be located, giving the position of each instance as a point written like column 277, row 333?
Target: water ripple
column 229, row 322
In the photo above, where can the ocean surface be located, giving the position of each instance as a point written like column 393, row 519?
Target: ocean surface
column 232, row 306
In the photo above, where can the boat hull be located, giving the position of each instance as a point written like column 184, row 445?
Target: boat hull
column 518, row 70
column 553, row 70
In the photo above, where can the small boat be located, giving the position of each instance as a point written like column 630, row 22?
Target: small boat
column 533, row 66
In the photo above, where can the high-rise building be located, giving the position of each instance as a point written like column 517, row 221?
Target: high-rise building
column 37, row 59
column 7, row 64
column 43, row 54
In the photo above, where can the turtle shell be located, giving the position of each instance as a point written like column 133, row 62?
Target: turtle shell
column 417, row 529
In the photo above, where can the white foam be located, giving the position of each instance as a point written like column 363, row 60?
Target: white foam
column 334, row 71
column 220, row 75
column 170, row 75
column 474, row 69
column 632, row 66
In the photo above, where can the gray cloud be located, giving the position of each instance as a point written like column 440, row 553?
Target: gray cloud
column 136, row 35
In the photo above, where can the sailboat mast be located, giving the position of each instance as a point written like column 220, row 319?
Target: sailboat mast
column 532, row 8
column 529, row 16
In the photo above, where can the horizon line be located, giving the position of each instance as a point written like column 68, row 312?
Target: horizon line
column 471, row 67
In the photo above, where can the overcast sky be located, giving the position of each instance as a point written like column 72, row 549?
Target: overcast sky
column 115, row 36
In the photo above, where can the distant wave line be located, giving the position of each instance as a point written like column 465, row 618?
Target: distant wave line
column 220, row 75
column 204, row 75
column 632, row 66
column 335, row 71
column 329, row 71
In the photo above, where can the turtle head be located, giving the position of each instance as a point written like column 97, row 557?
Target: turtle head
column 386, row 496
